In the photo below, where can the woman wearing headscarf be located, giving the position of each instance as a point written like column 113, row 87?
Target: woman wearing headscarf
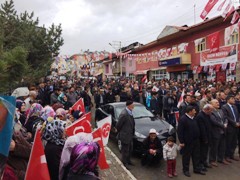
column 63, row 99
column 33, row 119
column 62, row 115
column 21, row 109
column 83, row 161
column 55, row 137
column 47, row 112
column 67, row 149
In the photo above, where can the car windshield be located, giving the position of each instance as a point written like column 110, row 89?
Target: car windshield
column 138, row 111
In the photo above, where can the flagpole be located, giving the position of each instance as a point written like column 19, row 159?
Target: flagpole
column 194, row 11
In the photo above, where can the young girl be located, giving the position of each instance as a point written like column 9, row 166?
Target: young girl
column 170, row 155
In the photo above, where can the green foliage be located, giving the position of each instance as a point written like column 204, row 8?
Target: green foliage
column 20, row 32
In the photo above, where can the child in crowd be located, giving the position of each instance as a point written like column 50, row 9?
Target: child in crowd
column 170, row 155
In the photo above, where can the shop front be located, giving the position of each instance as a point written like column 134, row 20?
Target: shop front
column 178, row 67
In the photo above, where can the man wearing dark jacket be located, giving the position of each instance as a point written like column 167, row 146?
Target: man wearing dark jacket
column 126, row 130
column 203, row 120
column 152, row 149
column 189, row 135
column 232, row 115
column 154, row 104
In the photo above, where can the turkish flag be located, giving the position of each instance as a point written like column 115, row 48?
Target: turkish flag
column 79, row 106
column 208, row 8
column 144, row 78
column 221, row 5
column 181, row 98
column 97, row 137
column 105, row 124
column 235, row 17
column 230, row 12
column 81, row 125
column 213, row 42
column 37, row 166
column 110, row 56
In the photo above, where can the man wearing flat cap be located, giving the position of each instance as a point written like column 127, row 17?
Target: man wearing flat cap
column 126, row 129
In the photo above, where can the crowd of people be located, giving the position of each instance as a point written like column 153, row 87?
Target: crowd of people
column 207, row 130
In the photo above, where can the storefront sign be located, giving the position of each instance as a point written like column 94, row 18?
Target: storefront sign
column 227, row 54
column 170, row 62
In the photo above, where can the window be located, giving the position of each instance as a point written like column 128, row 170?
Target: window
column 233, row 38
column 160, row 74
column 201, row 46
column 131, row 77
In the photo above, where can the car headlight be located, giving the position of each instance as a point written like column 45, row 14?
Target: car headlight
column 171, row 130
column 139, row 135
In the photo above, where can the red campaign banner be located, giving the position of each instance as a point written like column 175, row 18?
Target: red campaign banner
column 97, row 137
column 79, row 106
column 208, row 8
column 226, row 54
column 81, row 125
column 37, row 166
column 213, row 42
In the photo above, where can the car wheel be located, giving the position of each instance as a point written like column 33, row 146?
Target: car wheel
column 119, row 145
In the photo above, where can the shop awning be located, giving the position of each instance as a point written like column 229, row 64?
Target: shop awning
column 140, row 72
column 199, row 69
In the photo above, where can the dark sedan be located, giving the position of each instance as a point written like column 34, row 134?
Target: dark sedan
column 144, row 121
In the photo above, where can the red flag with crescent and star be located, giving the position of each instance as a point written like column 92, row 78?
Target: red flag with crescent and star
column 105, row 124
column 81, row 125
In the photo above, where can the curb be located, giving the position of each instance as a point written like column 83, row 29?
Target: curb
column 120, row 163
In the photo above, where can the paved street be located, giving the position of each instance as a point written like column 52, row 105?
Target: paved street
column 223, row 172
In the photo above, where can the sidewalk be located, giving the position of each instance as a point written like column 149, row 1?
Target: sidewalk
column 116, row 170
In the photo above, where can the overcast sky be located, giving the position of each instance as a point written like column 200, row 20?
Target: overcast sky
column 93, row 24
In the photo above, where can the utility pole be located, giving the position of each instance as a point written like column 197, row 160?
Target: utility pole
column 194, row 11
column 117, row 45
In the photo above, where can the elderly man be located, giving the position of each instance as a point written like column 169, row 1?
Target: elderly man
column 152, row 149
column 203, row 120
column 219, row 124
column 126, row 130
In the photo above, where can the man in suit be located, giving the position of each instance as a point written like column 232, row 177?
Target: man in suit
column 100, row 98
column 232, row 115
column 219, row 125
column 188, row 135
column 154, row 104
column 184, row 104
column 203, row 120
column 206, row 99
column 161, row 93
column 126, row 130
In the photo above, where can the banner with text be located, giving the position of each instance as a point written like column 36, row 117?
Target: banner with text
column 227, row 54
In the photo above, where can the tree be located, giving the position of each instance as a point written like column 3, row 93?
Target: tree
column 41, row 44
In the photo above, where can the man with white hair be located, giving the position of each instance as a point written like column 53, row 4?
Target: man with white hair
column 219, row 125
column 31, row 99
column 203, row 120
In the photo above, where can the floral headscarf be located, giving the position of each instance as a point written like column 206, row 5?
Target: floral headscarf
column 84, row 158
column 54, row 132
column 61, row 112
column 47, row 112
column 35, row 110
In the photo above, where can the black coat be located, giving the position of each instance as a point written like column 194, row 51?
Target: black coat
column 53, row 155
column 154, row 106
column 135, row 96
column 188, row 130
column 230, row 118
column 205, row 128
column 125, row 127
column 97, row 99
column 155, row 145
column 110, row 98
